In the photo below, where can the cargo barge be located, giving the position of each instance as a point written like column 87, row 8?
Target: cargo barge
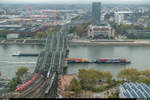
column 25, row 54
column 112, row 60
column 102, row 60
column 77, row 60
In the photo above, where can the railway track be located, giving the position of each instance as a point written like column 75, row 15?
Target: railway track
column 29, row 91
column 39, row 93
column 50, row 62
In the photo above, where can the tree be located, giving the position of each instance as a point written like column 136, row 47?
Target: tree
column 0, row 74
column 107, row 76
column 75, row 86
column 12, row 86
column 145, row 73
column 129, row 74
column 89, row 78
column 21, row 71
column 13, row 83
column 144, row 76
column 80, row 29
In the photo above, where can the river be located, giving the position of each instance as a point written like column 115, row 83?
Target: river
column 9, row 64
column 139, row 56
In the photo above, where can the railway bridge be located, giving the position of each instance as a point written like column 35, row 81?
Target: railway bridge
column 49, row 66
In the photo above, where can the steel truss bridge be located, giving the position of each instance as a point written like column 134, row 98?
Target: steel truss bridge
column 49, row 65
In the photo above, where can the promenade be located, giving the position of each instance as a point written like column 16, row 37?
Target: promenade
column 23, row 41
column 82, row 42
column 111, row 42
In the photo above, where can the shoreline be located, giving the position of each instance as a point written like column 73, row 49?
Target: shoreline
column 22, row 43
column 112, row 43
column 90, row 42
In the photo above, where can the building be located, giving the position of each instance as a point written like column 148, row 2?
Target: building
column 134, row 90
column 137, row 34
column 96, row 13
column 65, row 81
column 99, row 29
column 12, row 36
column 103, row 31
column 120, row 16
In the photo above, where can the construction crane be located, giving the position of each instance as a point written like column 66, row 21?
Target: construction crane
column 54, row 23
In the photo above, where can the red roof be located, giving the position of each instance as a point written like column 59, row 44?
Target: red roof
column 65, row 81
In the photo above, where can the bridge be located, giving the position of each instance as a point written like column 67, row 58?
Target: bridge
column 49, row 66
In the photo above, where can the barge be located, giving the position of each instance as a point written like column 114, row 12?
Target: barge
column 101, row 60
column 77, row 60
column 25, row 54
column 112, row 60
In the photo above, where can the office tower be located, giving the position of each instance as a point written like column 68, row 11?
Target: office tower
column 96, row 13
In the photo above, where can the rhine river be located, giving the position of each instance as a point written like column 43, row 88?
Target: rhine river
column 9, row 64
column 139, row 56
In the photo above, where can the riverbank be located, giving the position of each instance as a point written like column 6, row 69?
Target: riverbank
column 80, row 42
column 111, row 42
column 23, row 41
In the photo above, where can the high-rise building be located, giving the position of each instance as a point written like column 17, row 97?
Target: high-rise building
column 96, row 13
column 99, row 29
column 119, row 18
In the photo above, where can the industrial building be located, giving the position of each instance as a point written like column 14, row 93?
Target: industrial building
column 134, row 90
column 137, row 34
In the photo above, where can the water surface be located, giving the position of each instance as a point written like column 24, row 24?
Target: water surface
column 139, row 56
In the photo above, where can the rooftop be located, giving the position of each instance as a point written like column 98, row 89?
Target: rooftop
column 65, row 81
column 134, row 90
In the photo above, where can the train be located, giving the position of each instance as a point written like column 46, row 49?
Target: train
column 27, row 83
column 51, row 83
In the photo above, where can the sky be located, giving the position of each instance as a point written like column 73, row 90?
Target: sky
column 76, row 1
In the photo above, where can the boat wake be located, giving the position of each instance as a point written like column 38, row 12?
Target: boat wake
column 14, row 62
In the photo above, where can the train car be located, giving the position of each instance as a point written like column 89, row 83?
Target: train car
column 51, row 82
column 27, row 83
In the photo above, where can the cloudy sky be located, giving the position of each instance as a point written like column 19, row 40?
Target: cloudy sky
column 75, row 1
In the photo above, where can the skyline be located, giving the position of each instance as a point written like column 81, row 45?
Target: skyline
column 77, row 1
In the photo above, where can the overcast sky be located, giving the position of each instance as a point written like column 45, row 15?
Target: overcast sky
column 75, row 1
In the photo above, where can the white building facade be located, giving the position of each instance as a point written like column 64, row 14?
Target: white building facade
column 105, row 31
